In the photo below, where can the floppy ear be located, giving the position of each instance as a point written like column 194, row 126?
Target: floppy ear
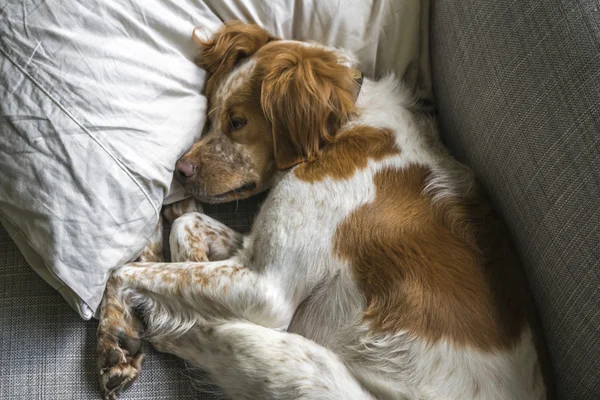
column 307, row 95
column 231, row 43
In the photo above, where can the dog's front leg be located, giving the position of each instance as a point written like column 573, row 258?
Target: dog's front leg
column 176, row 296
column 119, row 330
column 215, row 290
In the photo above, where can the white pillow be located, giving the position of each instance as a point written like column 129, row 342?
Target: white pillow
column 99, row 98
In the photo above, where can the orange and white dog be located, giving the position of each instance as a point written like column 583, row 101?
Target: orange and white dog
column 376, row 268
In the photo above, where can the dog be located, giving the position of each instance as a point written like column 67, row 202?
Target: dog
column 375, row 269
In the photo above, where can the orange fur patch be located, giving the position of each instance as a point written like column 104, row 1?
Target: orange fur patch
column 443, row 271
column 350, row 152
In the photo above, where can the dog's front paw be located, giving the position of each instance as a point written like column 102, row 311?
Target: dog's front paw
column 119, row 362
column 176, row 210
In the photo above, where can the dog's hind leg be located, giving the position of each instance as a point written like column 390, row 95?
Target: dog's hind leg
column 249, row 361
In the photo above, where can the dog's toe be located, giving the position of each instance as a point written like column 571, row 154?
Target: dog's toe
column 114, row 379
column 119, row 363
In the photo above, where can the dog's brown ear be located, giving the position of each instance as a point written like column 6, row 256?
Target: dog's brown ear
column 231, row 43
column 306, row 95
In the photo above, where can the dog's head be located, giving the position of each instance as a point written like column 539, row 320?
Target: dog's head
column 273, row 104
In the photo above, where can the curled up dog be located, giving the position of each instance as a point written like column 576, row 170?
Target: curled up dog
column 376, row 269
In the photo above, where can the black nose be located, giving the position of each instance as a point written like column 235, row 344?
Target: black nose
column 185, row 169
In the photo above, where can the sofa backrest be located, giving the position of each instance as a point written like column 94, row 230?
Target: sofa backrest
column 517, row 85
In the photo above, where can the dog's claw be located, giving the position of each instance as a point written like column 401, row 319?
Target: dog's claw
column 119, row 363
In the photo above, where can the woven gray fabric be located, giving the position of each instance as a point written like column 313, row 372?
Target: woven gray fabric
column 517, row 85
column 47, row 352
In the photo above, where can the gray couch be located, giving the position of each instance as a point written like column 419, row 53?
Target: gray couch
column 517, row 86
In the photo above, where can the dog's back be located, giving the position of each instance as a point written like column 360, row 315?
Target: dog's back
column 421, row 291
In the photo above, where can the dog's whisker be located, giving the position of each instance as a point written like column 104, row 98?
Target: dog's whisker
column 213, row 110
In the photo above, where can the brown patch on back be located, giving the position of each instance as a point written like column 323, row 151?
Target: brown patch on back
column 440, row 271
column 350, row 152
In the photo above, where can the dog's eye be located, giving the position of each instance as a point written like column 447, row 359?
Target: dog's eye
column 237, row 123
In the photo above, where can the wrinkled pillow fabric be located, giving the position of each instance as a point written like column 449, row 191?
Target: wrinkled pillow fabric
column 99, row 98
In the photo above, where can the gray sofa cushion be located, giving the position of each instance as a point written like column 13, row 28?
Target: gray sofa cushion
column 517, row 84
column 47, row 352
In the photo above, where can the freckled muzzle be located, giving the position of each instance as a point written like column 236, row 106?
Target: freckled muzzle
column 216, row 170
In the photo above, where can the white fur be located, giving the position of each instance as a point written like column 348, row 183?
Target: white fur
column 231, row 82
column 291, row 280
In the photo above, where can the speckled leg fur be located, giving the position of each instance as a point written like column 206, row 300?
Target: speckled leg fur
column 119, row 331
column 194, row 236
column 198, row 237
column 216, row 295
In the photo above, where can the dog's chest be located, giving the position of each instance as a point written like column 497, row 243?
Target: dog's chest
column 299, row 219
column 294, row 236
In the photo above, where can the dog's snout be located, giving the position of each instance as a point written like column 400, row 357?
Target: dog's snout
column 185, row 169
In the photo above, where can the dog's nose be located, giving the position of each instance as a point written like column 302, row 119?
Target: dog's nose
column 185, row 169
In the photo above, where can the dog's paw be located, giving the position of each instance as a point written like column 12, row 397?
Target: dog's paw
column 176, row 210
column 119, row 363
